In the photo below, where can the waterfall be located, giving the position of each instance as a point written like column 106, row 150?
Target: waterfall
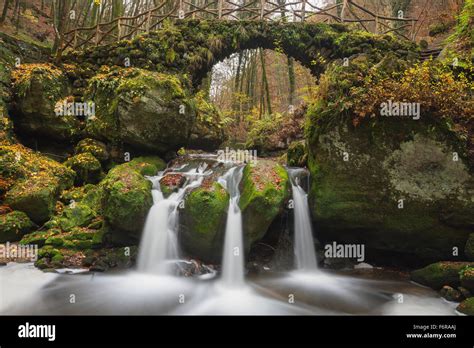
column 305, row 254
column 159, row 243
column 233, row 259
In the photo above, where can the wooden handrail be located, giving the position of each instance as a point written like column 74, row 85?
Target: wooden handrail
column 229, row 10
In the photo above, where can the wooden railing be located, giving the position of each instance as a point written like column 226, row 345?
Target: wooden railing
column 264, row 10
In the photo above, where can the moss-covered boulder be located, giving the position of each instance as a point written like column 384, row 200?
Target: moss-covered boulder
column 451, row 294
column 13, row 226
column 264, row 191
column 208, row 131
column 126, row 195
column 466, row 275
column 88, row 168
column 96, row 148
column 466, row 306
column 171, row 182
column 297, row 155
column 33, row 181
column 439, row 274
column 202, row 222
column 469, row 248
column 79, row 215
column 398, row 185
column 37, row 90
column 142, row 109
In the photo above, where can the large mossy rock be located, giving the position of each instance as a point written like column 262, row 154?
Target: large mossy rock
column 202, row 222
column 208, row 131
column 37, row 89
column 142, row 109
column 96, row 148
column 467, row 278
column 359, row 176
column 265, row 189
column 466, row 306
column 33, row 181
column 87, row 168
column 400, row 185
column 126, row 196
column 439, row 274
column 13, row 226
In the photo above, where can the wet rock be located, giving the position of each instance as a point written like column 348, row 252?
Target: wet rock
column 465, row 293
column 126, row 197
column 467, row 278
column 171, row 183
column 202, row 222
column 466, row 306
column 13, row 226
column 265, row 190
column 451, row 294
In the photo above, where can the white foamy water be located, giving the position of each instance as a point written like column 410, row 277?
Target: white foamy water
column 233, row 259
column 159, row 242
column 305, row 254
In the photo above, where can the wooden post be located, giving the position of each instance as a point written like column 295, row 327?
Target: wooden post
column 75, row 39
column 119, row 30
column 262, row 9
column 219, row 5
column 303, row 11
column 344, row 6
column 97, row 32
column 148, row 21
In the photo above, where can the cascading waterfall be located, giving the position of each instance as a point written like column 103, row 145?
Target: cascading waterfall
column 305, row 253
column 159, row 242
column 233, row 259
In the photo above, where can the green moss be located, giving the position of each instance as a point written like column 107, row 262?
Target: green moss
column 13, row 226
column 467, row 306
column 204, row 221
column 80, row 215
column 88, row 169
column 94, row 147
column 297, row 154
column 265, row 190
column 126, row 194
column 439, row 274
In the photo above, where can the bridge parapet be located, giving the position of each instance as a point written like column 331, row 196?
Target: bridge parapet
column 346, row 11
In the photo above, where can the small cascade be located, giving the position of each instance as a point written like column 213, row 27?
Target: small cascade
column 159, row 243
column 305, row 254
column 233, row 259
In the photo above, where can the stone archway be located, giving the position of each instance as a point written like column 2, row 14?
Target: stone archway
column 194, row 46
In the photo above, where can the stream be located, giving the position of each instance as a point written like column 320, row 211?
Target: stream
column 154, row 288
